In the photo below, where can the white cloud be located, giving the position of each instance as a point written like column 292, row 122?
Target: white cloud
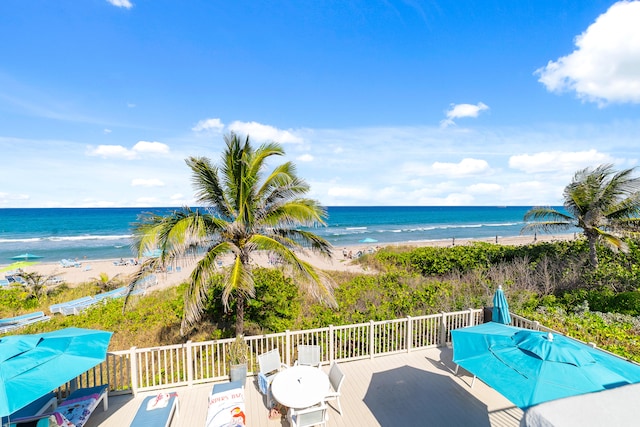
column 260, row 132
column 121, row 3
column 120, row 152
column 558, row 161
column 465, row 167
column 305, row 158
column 459, row 111
column 605, row 67
column 107, row 131
column 151, row 147
column 112, row 151
column 141, row 182
column 208, row 125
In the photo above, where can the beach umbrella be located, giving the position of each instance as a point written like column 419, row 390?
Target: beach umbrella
column 34, row 365
column 530, row 367
column 26, row 257
column 500, row 307
column 368, row 240
column 17, row 265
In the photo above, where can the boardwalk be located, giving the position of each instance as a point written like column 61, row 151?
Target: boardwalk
column 406, row 389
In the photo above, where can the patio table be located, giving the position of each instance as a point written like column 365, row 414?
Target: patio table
column 300, row 386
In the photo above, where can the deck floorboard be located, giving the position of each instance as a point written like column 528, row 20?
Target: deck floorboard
column 406, row 389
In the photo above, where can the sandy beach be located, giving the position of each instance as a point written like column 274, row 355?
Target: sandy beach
column 90, row 269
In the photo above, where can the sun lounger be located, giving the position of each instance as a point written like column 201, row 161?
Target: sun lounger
column 67, row 263
column 75, row 409
column 58, row 308
column 15, row 279
column 47, row 403
column 11, row 323
column 116, row 293
column 156, row 411
column 226, row 405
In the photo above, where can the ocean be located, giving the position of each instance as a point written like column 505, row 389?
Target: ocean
column 105, row 233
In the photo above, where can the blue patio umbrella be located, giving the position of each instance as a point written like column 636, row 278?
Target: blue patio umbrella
column 368, row 240
column 531, row 367
column 26, row 257
column 34, row 365
column 500, row 312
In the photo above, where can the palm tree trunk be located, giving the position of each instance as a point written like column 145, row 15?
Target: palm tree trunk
column 240, row 315
column 593, row 255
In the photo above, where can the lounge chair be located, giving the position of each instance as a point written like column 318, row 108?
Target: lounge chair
column 336, row 378
column 116, row 293
column 47, row 403
column 226, row 405
column 11, row 323
column 308, row 355
column 270, row 365
column 67, row 307
column 156, row 411
column 314, row 416
column 75, row 409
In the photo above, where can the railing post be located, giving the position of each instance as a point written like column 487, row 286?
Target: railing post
column 442, row 338
column 536, row 325
column 471, row 317
column 372, row 344
column 332, row 345
column 133, row 368
column 287, row 346
column 189, row 349
column 409, row 333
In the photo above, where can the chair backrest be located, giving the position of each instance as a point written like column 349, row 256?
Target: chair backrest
column 269, row 361
column 309, row 355
column 311, row 416
column 336, row 377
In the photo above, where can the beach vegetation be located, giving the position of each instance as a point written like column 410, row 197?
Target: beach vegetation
column 552, row 283
column 244, row 209
column 604, row 203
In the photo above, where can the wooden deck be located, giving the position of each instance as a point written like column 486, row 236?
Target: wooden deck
column 407, row 389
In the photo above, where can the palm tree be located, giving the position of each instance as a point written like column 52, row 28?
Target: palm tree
column 604, row 203
column 243, row 211
column 35, row 284
column 106, row 283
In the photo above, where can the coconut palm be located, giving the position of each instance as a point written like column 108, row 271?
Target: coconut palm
column 243, row 211
column 604, row 203
column 106, row 283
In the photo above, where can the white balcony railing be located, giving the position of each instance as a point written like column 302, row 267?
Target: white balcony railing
column 142, row 369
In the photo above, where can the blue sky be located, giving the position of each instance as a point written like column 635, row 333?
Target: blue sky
column 390, row 102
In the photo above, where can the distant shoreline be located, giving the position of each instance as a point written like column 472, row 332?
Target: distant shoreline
column 90, row 269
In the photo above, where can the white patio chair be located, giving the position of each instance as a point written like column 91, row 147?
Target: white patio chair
column 270, row 365
column 336, row 378
column 314, row 416
column 308, row 355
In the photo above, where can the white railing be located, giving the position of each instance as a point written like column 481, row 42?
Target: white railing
column 142, row 369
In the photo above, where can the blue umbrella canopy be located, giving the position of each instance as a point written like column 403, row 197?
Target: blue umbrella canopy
column 531, row 367
column 26, row 257
column 368, row 240
column 33, row 365
column 500, row 312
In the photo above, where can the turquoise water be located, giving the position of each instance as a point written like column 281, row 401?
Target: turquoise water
column 98, row 233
